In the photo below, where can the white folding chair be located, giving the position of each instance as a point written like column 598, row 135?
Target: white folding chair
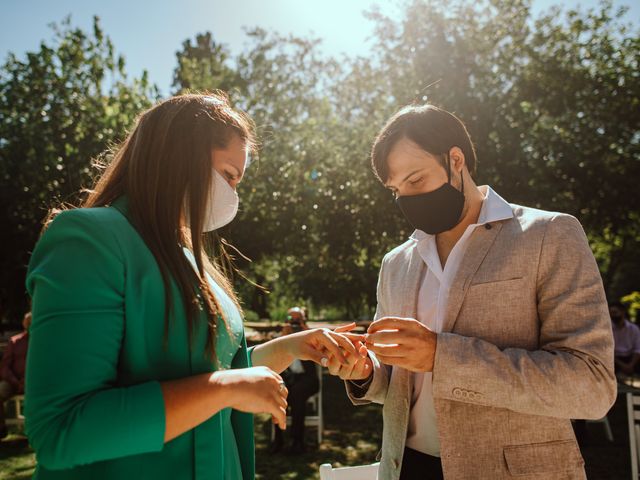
column 18, row 418
column 317, row 420
column 361, row 472
column 633, row 417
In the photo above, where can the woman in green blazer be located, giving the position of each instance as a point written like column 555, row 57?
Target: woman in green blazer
column 137, row 365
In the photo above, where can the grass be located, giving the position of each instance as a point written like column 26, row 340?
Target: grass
column 17, row 461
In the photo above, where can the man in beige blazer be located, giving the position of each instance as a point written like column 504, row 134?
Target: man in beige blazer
column 492, row 329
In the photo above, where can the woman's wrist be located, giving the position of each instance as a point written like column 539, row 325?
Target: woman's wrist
column 223, row 391
column 277, row 354
column 283, row 348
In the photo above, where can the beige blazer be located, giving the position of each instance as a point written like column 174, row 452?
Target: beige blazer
column 526, row 346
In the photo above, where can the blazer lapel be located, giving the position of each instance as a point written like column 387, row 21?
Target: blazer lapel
column 409, row 290
column 410, row 285
column 479, row 244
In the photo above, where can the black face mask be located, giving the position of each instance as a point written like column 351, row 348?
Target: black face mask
column 437, row 211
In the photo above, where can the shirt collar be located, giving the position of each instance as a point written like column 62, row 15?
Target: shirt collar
column 494, row 209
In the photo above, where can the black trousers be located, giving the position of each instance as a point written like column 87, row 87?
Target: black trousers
column 420, row 466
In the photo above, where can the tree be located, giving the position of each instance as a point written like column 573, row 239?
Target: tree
column 203, row 66
column 551, row 103
column 60, row 107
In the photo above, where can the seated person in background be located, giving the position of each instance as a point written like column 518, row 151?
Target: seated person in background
column 12, row 369
column 626, row 337
column 302, row 382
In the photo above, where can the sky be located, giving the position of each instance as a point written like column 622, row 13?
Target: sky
column 148, row 33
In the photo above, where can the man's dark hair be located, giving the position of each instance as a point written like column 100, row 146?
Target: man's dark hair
column 434, row 130
column 621, row 306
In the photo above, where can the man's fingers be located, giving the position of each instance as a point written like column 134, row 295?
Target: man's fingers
column 391, row 323
column 388, row 350
column 399, row 361
column 354, row 337
column 387, row 337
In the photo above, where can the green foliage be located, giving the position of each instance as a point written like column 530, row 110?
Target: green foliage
column 203, row 66
column 551, row 103
column 632, row 301
column 251, row 316
column 60, row 107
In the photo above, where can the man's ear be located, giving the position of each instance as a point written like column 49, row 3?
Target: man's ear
column 456, row 157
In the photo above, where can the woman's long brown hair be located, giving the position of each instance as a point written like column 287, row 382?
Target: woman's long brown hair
column 163, row 167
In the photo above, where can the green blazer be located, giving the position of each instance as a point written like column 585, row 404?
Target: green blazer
column 93, row 404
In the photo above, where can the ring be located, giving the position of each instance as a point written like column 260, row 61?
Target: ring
column 282, row 386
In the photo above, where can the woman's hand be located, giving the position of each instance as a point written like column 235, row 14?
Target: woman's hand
column 319, row 345
column 358, row 366
column 255, row 390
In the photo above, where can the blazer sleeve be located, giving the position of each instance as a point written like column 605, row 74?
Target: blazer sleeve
column 571, row 374
column 375, row 389
column 76, row 412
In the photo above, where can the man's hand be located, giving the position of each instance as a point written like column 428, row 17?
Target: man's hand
column 358, row 365
column 402, row 342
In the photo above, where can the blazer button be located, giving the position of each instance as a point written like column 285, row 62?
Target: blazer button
column 457, row 392
column 396, row 463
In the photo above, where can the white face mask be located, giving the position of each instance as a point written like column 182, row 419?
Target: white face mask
column 222, row 204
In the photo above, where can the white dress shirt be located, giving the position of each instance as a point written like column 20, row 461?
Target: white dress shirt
column 422, row 434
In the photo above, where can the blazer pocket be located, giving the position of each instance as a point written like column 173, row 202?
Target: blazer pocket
column 499, row 282
column 535, row 458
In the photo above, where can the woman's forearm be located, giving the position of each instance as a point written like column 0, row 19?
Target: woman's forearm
column 190, row 401
column 273, row 354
